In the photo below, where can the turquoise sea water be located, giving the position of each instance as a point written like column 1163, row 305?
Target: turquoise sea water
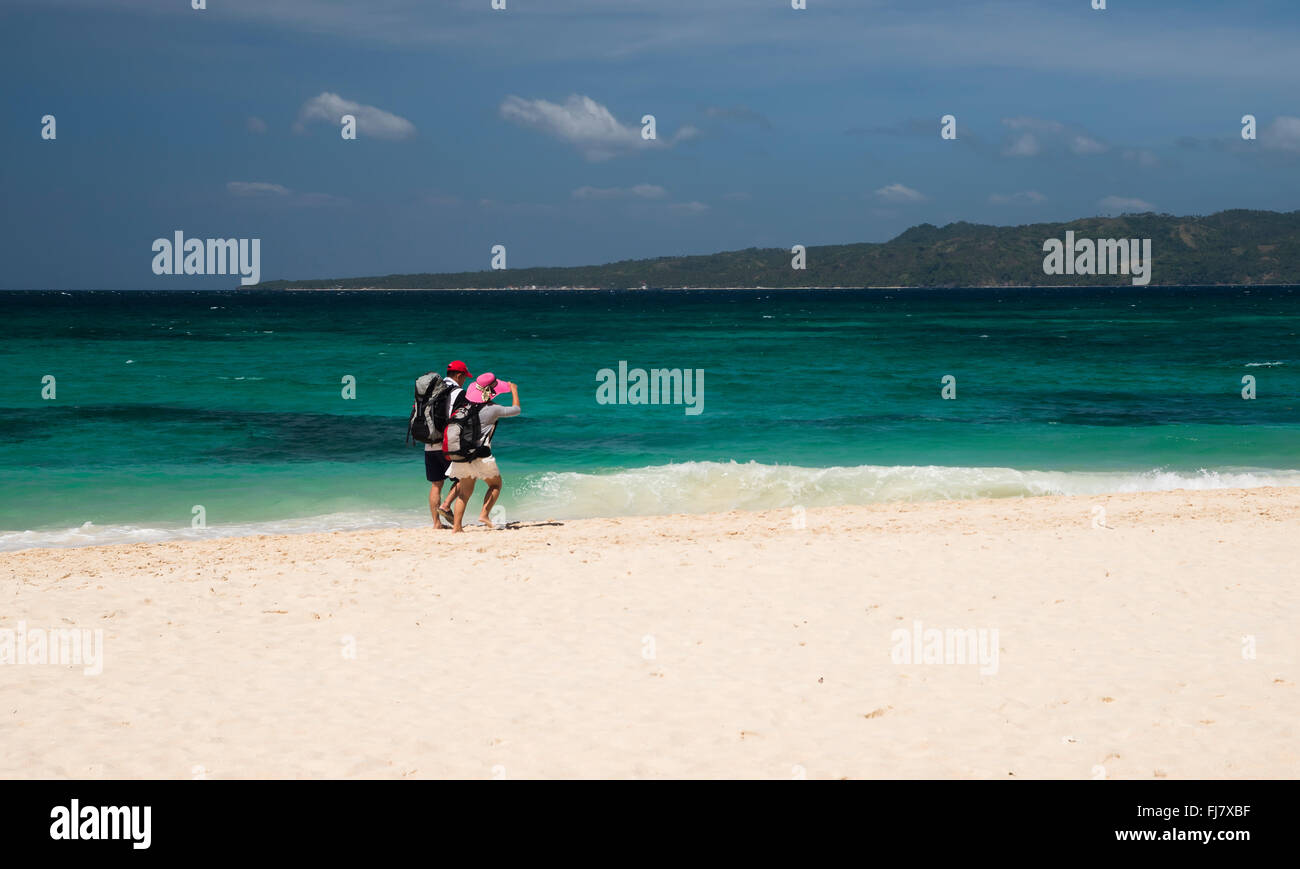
column 233, row 401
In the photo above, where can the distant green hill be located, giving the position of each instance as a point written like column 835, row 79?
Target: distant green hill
column 1231, row 247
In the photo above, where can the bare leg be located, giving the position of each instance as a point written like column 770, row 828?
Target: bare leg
column 490, row 499
column 464, row 489
column 451, row 496
column 435, row 495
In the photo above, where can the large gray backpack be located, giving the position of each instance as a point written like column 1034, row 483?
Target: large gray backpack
column 429, row 413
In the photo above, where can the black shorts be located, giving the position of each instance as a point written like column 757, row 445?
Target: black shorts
column 435, row 466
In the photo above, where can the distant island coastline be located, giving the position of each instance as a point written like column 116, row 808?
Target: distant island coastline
column 1230, row 248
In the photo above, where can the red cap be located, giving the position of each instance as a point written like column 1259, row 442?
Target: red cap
column 458, row 367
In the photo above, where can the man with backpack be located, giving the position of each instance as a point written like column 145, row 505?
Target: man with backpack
column 467, row 443
column 435, row 465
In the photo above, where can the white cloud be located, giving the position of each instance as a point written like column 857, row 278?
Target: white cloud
column 1084, row 144
column 255, row 124
column 1281, row 135
column 1034, row 136
column 256, row 188
column 372, row 123
column 1024, row 197
column 639, row 191
column 899, row 193
column 266, row 191
column 643, row 198
column 1024, row 145
column 1125, row 204
column 586, row 124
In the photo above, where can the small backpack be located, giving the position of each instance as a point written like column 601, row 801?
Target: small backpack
column 462, row 435
column 428, row 414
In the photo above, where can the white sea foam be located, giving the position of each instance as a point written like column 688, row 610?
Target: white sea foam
column 708, row 487
column 90, row 534
column 705, row 487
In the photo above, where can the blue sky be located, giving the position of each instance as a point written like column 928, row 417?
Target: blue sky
column 521, row 127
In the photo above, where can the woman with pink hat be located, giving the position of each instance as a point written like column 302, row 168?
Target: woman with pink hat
column 484, row 467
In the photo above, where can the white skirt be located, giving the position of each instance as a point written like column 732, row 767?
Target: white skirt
column 475, row 469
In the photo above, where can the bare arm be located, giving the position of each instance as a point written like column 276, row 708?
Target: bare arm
column 500, row 411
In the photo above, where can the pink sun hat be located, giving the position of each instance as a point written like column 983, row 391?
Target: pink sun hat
column 486, row 387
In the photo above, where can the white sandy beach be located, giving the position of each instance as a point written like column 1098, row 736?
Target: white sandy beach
column 729, row 645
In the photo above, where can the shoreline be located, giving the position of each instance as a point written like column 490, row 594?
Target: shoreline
column 90, row 535
column 721, row 645
column 946, row 506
